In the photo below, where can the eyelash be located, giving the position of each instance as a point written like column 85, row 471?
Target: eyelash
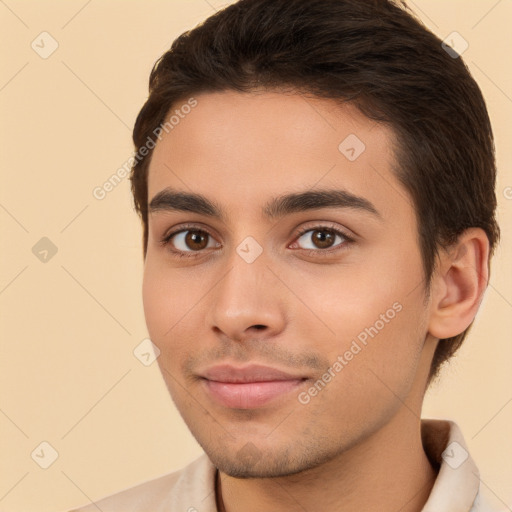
column 165, row 241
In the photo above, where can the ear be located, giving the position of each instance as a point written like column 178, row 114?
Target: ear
column 459, row 283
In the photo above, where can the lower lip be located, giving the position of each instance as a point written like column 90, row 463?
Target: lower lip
column 249, row 395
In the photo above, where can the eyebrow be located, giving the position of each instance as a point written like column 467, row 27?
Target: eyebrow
column 169, row 199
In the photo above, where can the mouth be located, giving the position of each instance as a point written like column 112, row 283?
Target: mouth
column 249, row 387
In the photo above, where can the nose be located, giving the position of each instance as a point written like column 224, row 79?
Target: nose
column 248, row 302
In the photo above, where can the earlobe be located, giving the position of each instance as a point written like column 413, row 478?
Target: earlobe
column 459, row 283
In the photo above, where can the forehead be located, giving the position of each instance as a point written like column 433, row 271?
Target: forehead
column 242, row 148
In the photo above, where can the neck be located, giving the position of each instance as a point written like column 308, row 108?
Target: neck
column 388, row 472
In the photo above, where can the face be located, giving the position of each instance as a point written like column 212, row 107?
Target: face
column 283, row 281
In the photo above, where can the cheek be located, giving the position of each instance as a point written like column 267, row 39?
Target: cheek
column 372, row 367
column 155, row 300
column 174, row 305
column 376, row 318
column 357, row 299
column 165, row 301
column 380, row 351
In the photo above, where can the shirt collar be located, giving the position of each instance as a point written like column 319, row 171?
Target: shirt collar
column 458, row 480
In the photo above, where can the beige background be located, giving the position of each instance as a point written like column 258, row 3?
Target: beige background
column 69, row 325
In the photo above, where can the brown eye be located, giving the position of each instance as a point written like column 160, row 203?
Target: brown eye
column 321, row 238
column 191, row 240
column 196, row 240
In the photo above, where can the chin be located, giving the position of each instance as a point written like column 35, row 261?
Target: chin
column 250, row 462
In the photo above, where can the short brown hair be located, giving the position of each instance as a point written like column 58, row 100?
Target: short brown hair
column 373, row 54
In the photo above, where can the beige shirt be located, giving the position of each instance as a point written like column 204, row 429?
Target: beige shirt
column 192, row 489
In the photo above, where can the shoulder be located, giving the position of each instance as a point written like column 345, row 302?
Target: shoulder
column 482, row 505
column 181, row 490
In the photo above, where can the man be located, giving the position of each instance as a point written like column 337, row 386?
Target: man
column 316, row 183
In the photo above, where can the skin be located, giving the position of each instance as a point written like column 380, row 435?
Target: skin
column 356, row 445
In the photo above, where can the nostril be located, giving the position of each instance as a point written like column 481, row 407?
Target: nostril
column 259, row 326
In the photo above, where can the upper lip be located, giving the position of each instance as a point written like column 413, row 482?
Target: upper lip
column 251, row 373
